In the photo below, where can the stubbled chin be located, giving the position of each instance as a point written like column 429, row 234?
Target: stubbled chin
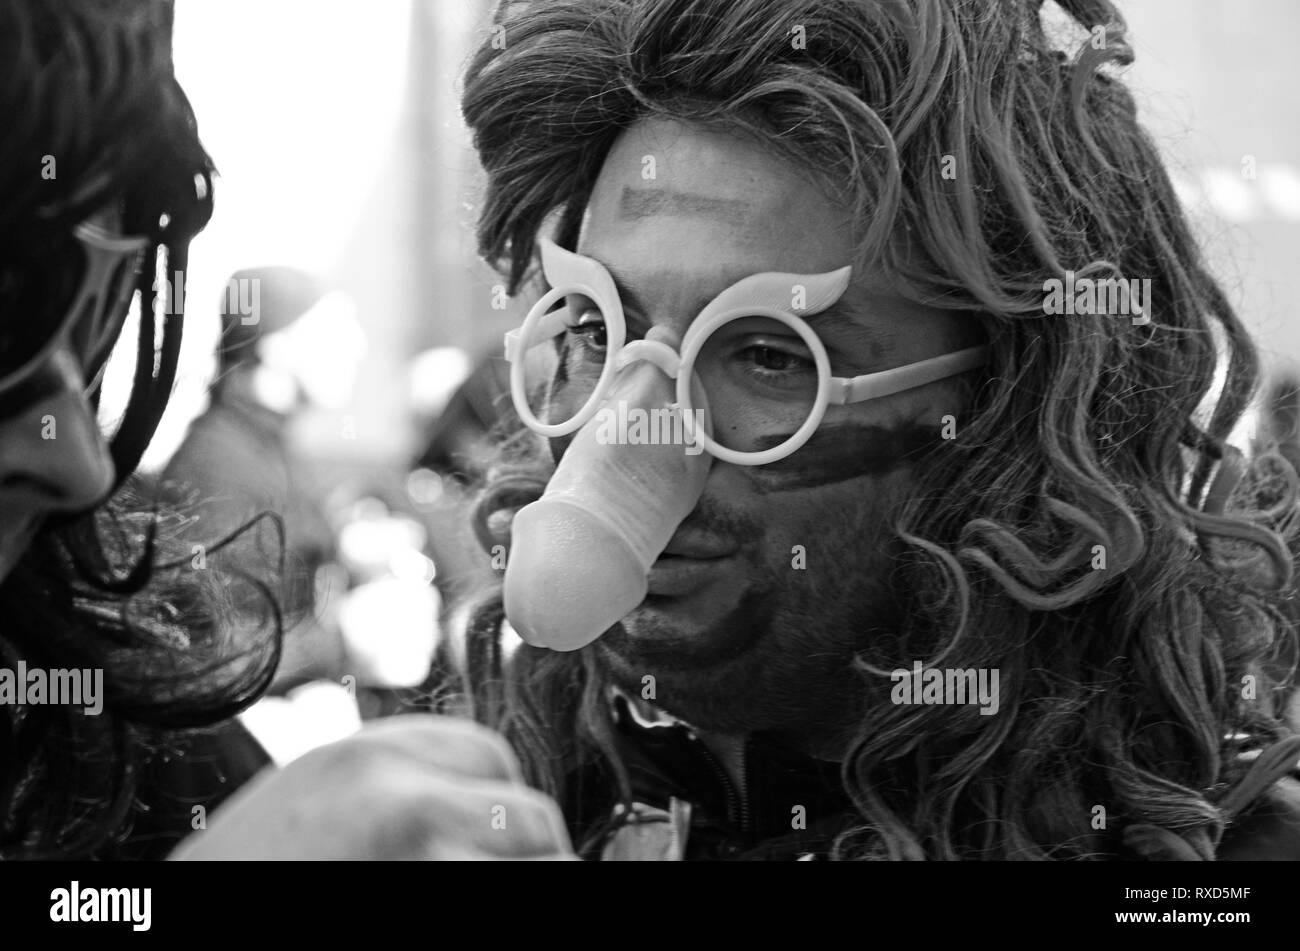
column 685, row 634
column 676, row 625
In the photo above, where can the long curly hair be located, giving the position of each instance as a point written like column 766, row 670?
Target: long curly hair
column 1080, row 534
column 90, row 84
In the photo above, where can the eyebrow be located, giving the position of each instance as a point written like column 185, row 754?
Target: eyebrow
column 838, row 318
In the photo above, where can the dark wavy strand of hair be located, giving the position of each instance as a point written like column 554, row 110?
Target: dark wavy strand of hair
column 91, row 84
column 1122, row 685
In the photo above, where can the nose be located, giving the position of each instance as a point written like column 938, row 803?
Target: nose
column 52, row 454
column 581, row 554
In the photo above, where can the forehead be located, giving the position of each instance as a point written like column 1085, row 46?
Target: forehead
column 681, row 212
column 709, row 205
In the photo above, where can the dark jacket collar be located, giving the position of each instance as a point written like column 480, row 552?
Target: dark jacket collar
column 792, row 806
column 789, row 805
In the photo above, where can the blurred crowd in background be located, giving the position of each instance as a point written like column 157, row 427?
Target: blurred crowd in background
column 341, row 364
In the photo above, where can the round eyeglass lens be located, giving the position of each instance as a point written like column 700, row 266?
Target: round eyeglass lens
column 567, row 356
column 761, row 380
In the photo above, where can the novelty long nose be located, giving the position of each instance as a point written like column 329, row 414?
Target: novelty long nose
column 580, row 555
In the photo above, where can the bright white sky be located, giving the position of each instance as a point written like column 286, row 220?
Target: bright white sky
column 296, row 102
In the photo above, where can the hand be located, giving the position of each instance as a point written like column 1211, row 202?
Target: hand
column 411, row 787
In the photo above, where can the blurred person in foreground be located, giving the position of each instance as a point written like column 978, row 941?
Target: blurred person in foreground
column 1050, row 508
column 103, row 181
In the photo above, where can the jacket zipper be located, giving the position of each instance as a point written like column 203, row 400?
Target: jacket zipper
column 737, row 799
column 744, row 786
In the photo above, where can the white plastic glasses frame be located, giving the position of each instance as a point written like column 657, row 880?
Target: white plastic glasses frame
column 106, row 255
column 760, row 295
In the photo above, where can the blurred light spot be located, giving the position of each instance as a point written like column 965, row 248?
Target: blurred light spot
column 275, row 389
column 510, row 640
column 411, row 565
column 390, row 629
column 368, row 545
column 435, row 376
column 309, row 716
column 1230, row 195
column 1281, row 187
column 424, row 486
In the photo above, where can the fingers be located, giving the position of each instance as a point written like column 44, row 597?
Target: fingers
column 469, row 855
column 497, row 819
column 412, row 787
column 449, row 744
column 438, row 786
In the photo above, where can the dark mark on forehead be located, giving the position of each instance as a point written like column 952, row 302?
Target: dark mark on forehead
column 642, row 203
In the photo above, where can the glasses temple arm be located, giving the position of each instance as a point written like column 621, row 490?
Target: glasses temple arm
column 548, row 325
column 873, row 386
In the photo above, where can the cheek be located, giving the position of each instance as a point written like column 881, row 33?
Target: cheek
column 817, row 535
column 849, row 452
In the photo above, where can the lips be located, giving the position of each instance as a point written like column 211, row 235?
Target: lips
column 691, row 561
column 676, row 576
column 696, row 545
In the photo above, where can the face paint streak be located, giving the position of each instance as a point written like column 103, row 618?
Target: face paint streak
column 562, row 364
column 832, row 455
column 839, row 453
column 559, row 404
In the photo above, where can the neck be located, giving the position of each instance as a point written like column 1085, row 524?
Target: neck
column 729, row 750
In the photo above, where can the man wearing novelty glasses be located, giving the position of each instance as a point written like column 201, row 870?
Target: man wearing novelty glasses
column 951, row 576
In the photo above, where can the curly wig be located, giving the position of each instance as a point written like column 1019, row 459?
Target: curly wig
column 1076, row 534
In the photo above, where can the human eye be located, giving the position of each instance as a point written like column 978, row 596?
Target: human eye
column 584, row 342
column 588, row 326
column 776, row 361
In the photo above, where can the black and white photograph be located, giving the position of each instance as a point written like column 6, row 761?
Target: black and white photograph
column 650, row 430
